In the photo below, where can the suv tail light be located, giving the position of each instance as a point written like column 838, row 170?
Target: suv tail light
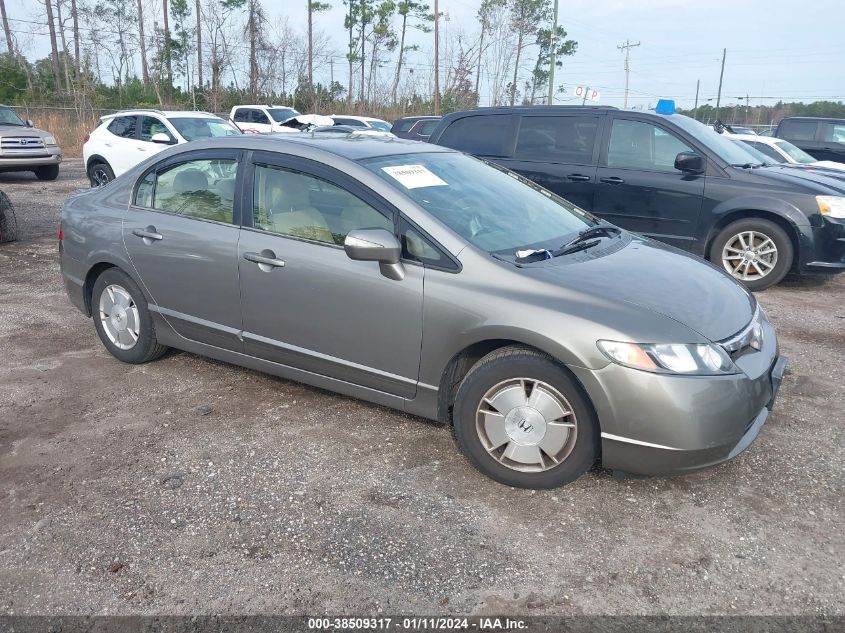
column 87, row 136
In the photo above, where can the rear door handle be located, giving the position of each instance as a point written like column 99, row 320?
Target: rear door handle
column 578, row 177
column 266, row 260
column 149, row 235
column 612, row 180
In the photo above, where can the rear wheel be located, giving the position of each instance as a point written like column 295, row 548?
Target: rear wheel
column 521, row 420
column 754, row 251
column 47, row 172
column 100, row 174
column 122, row 319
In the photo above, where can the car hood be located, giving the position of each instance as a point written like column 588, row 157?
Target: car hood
column 17, row 130
column 813, row 181
column 658, row 278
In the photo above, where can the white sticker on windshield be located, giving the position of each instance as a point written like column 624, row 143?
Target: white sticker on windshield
column 414, row 176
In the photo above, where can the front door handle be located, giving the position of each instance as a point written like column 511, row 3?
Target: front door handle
column 150, row 235
column 578, row 177
column 266, row 260
column 612, row 180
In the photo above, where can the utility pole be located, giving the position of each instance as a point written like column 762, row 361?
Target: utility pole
column 436, row 58
column 721, row 76
column 695, row 107
column 626, row 48
column 552, row 51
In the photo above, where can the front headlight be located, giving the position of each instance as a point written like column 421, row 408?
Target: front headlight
column 694, row 360
column 49, row 140
column 831, row 206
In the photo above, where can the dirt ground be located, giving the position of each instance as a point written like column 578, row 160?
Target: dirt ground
column 188, row 486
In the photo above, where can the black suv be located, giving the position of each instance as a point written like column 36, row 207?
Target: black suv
column 823, row 139
column 668, row 177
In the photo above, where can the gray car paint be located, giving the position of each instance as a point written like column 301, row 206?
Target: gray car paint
column 336, row 340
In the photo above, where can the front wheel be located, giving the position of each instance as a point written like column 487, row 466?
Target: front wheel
column 48, row 172
column 122, row 318
column 523, row 421
column 754, row 251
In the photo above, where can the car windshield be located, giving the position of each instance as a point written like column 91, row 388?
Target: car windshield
column 490, row 207
column 282, row 114
column 197, row 128
column 8, row 117
column 759, row 156
column 796, row 153
column 722, row 146
column 379, row 124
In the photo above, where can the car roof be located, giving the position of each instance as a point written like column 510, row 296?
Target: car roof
column 169, row 114
column 350, row 146
column 810, row 118
column 359, row 117
column 545, row 109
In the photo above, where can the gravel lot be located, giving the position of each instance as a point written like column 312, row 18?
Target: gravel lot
column 190, row 486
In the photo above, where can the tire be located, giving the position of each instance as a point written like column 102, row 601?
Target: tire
column 99, row 174
column 48, row 172
column 762, row 236
column 479, row 423
column 8, row 221
column 137, row 323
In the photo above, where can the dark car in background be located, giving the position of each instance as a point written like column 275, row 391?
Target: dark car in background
column 668, row 177
column 821, row 138
column 416, row 128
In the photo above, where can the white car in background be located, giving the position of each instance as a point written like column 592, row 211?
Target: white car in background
column 124, row 139
column 784, row 152
column 361, row 122
column 261, row 119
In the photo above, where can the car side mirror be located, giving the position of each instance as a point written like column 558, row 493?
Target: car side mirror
column 689, row 163
column 376, row 245
column 162, row 138
column 29, row 123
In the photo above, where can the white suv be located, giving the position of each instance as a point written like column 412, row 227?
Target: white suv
column 262, row 119
column 124, row 139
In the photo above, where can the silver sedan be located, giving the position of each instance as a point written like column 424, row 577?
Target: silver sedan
column 423, row 279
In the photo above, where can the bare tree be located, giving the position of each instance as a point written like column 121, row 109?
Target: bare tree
column 313, row 7
column 498, row 52
column 9, row 44
column 77, row 59
column 145, row 71
column 420, row 15
column 54, row 48
column 65, row 54
column 167, row 54
column 199, row 44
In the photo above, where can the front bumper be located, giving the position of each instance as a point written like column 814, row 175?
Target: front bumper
column 22, row 161
column 655, row 424
column 828, row 253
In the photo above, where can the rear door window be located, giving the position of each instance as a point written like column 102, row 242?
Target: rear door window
column 124, row 126
column 768, row 150
column 482, row 135
column 202, row 189
column 404, row 126
column 796, row 130
column 557, row 139
column 241, row 115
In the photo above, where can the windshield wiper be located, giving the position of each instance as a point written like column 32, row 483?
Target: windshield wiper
column 586, row 234
column 748, row 165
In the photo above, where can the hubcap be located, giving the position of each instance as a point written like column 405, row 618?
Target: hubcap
column 750, row 255
column 100, row 177
column 526, row 425
column 119, row 317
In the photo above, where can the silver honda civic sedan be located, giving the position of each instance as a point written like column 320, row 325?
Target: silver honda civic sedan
column 422, row 279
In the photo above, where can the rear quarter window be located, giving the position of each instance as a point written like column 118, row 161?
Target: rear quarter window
column 481, row 135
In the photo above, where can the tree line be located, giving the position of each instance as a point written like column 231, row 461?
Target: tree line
column 211, row 54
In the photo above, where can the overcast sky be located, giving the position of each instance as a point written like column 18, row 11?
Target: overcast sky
column 777, row 49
